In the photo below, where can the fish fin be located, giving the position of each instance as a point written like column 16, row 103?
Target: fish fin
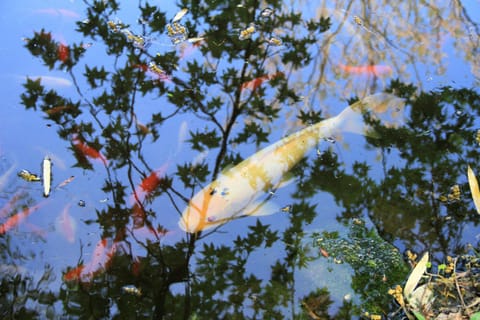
column 287, row 179
column 262, row 208
column 384, row 107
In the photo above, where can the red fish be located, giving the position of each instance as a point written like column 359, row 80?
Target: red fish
column 148, row 184
column 257, row 82
column 18, row 218
column 376, row 70
column 63, row 52
column 88, row 151
column 145, row 189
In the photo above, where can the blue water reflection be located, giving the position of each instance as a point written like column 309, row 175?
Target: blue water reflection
column 142, row 123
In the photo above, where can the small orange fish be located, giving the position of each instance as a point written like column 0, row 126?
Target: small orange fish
column 63, row 52
column 88, row 151
column 257, row 82
column 143, row 67
column 376, row 70
column 74, row 274
column 18, row 218
column 324, row 253
column 65, row 182
column 149, row 184
column 143, row 191
column 57, row 109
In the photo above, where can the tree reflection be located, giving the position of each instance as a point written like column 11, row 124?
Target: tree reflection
column 101, row 123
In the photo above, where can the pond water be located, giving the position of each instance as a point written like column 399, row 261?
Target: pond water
column 145, row 112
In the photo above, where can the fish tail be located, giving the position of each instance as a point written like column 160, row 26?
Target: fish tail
column 383, row 106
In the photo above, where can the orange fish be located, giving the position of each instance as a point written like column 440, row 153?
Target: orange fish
column 57, row 109
column 148, row 184
column 74, row 274
column 88, row 151
column 143, row 67
column 257, row 82
column 101, row 259
column 18, row 218
column 65, row 182
column 63, row 52
column 376, row 70
column 8, row 206
column 142, row 191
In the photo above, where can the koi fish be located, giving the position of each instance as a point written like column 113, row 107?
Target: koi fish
column 376, row 70
column 57, row 109
column 65, row 182
column 47, row 176
column 101, row 259
column 142, row 191
column 9, row 205
column 149, row 184
column 248, row 181
column 63, row 52
column 88, row 151
column 66, row 224
column 18, row 218
column 74, row 274
column 257, row 82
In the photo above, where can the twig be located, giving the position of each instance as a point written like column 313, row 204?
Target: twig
column 456, row 284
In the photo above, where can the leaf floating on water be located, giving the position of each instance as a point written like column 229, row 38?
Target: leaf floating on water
column 421, row 299
column 179, row 15
column 247, row 32
column 266, row 13
column 415, row 276
column 473, row 183
column 28, row 176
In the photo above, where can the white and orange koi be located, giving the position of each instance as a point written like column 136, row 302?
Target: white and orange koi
column 252, row 179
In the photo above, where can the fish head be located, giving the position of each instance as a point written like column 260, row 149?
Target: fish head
column 204, row 210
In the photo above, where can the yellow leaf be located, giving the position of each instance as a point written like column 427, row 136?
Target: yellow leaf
column 415, row 276
column 472, row 181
